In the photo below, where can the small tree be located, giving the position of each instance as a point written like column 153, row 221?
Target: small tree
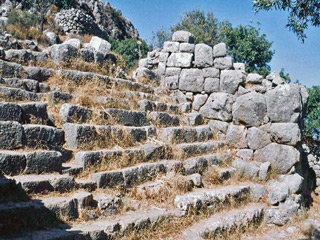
column 302, row 13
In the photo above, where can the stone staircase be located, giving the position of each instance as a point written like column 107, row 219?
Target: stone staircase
column 128, row 163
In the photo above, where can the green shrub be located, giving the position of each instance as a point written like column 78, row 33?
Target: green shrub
column 128, row 49
column 23, row 19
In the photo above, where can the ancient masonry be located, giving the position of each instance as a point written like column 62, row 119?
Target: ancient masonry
column 232, row 138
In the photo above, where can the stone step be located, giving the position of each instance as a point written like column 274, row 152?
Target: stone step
column 131, row 176
column 13, row 163
column 87, row 137
column 46, row 183
column 77, row 76
column 177, row 135
column 212, row 199
column 82, row 204
column 187, row 150
column 16, row 94
column 106, row 228
column 29, row 85
column 125, row 117
column 225, row 224
column 154, row 106
column 21, row 216
column 200, row 164
column 163, row 119
column 144, row 153
column 24, row 56
column 31, row 112
column 14, row 136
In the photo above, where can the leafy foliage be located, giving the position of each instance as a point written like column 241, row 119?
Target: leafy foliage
column 129, row 50
column 302, row 13
column 312, row 122
column 64, row 3
column 24, row 19
column 245, row 43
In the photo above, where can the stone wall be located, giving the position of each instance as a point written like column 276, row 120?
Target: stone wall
column 261, row 118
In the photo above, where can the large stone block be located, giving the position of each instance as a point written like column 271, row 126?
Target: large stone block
column 11, row 135
column 79, row 135
column 108, row 179
column 73, row 113
column 40, row 136
column 254, row 78
column 220, row 50
column 100, row 46
column 223, row 63
column 211, row 85
column 218, row 106
column 191, row 80
column 257, row 138
column 187, row 47
column 10, row 112
column 63, row 52
column 203, row 55
column 199, row 100
column 230, row 80
column 211, row 72
column 180, row 60
column 236, row 136
column 286, row 133
column 281, row 157
column 43, row 162
column 12, row 163
column 34, row 112
column 284, row 103
column 183, row 36
column 250, row 109
column 170, row 47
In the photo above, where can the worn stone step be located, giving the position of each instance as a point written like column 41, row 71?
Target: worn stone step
column 31, row 112
column 105, row 228
column 29, row 85
column 125, row 117
column 184, row 134
column 144, row 153
column 45, row 183
column 16, row 94
column 186, row 150
column 163, row 119
column 21, row 216
column 24, row 56
column 154, row 106
column 225, row 224
column 13, row 163
column 131, row 176
column 201, row 163
column 87, row 137
column 212, row 198
column 76, row 76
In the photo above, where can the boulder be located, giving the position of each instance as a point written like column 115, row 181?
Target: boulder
column 239, row 66
column 294, row 182
column 180, row 60
column 250, row 109
column 254, row 78
column 264, row 170
column 230, row 80
column 281, row 157
column 218, row 126
column 245, row 154
column 75, row 42
column 218, row 106
column 100, row 46
column 220, row 50
column 199, row 100
column 191, row 80
column 257, row 138
column 275, row 78
column 278, row 192
column 183, row 36
column 245, row 169
column 284, row 103
column 63, row 52
column 285, row 133
column 51, row 37
column 236, row 136
column 203, row 55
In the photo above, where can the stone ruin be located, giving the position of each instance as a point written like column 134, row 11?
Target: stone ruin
column 233, row 141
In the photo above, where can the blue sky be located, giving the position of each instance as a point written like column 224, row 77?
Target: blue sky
column 302, row 61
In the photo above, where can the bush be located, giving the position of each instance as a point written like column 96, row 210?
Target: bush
column 24, row 25
column 128, row 49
